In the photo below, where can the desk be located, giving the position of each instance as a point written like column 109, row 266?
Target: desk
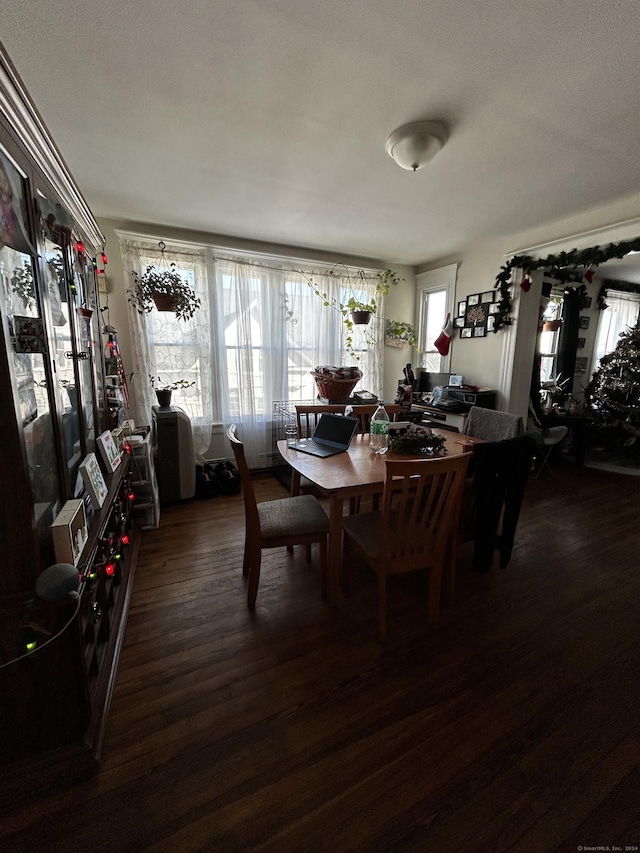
column 355, row 473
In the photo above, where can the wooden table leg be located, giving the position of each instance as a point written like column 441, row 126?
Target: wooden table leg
column 334, row 568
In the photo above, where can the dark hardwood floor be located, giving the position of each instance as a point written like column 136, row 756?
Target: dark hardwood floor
column 512, row 725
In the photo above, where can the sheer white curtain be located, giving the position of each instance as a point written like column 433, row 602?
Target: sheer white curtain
column 621, row 313
column 169, row 349
column 275, row 330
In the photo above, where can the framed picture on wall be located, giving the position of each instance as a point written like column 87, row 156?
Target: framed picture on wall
column 581, row 342
column 581, row 366
column 584, row 322
column 479, row 331
column 462, row 307
column 466, row 332
column 474, row 299
column 489, row 296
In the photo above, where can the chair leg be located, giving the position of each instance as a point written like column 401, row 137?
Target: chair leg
column 254, row 578
column 382, row 606
column 308, row 549
column 451, row 563
column 435, row 591
column 245, row 561
column 544, row 463
column 323, row 567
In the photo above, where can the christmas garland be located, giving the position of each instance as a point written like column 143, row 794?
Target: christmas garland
column 564, row 266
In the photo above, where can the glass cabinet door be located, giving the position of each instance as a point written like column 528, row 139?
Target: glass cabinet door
column 30, row 375
column 63, row 356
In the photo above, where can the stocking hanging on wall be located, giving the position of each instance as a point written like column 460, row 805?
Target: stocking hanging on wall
column 443, row 340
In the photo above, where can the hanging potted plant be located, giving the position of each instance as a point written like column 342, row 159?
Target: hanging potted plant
column 164, row 289
column 354, row 311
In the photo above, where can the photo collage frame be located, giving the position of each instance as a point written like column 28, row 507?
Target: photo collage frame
column 475, row 316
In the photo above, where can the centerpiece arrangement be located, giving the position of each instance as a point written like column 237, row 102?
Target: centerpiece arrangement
column 416, row 439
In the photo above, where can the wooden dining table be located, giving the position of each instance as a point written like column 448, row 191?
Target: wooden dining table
column 356, row 473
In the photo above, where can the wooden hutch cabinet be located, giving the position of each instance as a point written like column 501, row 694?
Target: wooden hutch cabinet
column 58, row 657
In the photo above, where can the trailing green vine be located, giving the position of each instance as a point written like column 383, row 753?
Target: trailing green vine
column 563, row 266
column 384, row 281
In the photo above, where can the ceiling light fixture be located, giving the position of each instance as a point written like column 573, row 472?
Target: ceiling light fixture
column 412, row 146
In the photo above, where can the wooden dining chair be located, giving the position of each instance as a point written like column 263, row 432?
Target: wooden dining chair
column 277, row 523
column 413, row 530
column 364, row 412
column 308, row 415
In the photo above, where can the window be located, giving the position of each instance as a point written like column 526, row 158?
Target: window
column 436, row 290
column 549, row 338
column 621, row 313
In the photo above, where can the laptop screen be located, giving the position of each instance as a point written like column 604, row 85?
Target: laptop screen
column 335, row 428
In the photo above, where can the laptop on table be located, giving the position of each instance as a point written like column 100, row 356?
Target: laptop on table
column 333, row 434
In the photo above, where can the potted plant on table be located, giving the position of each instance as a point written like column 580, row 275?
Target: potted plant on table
column 164, row 289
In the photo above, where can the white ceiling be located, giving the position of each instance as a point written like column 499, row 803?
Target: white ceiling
column 267, row 119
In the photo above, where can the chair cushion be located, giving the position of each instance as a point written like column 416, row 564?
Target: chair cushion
column 291, row 516
column 554, row 435
column 364, row 529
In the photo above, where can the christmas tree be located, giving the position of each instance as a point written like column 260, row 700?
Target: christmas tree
column 613, row 395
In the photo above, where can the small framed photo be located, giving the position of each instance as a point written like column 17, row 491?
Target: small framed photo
column 493, row 308
column 491, row 323
column 109, row 450
column 581, row 342
column 479, row 331
column 455, row 380
column 584, row 322
column 466, row 332
column 93, row 480
column 488, row 296
column 586, row 302
column 458, row 322
column 581, row 366
column 474, row 299
column 462, row 307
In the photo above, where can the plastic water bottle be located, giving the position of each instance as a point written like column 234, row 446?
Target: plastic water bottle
column 379, row 428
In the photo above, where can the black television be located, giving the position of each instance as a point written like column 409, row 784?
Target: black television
column 429, row 381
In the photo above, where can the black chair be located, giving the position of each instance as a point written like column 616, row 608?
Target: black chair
column 500, row 475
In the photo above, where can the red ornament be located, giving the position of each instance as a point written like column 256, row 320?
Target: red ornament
column 589, row 274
